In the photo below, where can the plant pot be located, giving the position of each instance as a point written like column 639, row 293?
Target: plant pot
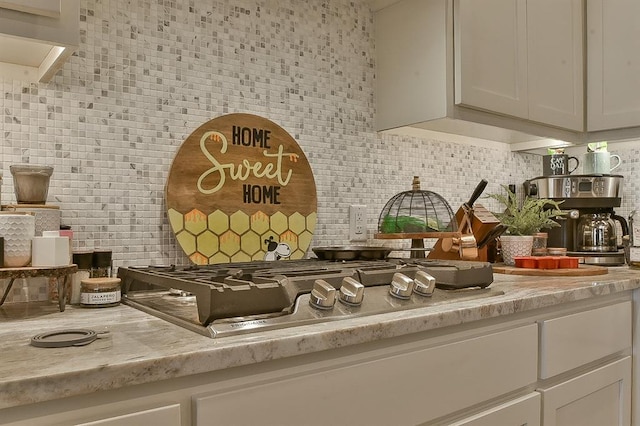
column 515, row 245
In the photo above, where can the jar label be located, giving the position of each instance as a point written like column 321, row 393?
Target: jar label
column 634, row 254
column 635, row 233
column 100, row 298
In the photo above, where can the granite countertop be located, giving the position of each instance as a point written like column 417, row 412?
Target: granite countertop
column 140, row 348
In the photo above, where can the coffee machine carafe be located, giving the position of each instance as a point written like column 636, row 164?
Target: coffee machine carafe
column 598, row 232
column 589, row 229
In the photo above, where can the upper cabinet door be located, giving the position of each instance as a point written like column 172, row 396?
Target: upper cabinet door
column 36, row 7
column 491, row 55
column 555, row 63
column 411, row 65
column 613, row 40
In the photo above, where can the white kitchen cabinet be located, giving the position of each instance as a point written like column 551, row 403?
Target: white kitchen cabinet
column 417, row 69
column 491, row 53
column 36, row 7
column 573, row 340
column 555, row 63
column 601, row 395
column 91, row 410
column 521, row 58
column 161, row 416
column 562, row 359
column 524, row 411
column 613, row 40
column 37, row 37
column 408, row 387
column 521, row 72
column 415, row 76
column 596, row 398
column 412, row 74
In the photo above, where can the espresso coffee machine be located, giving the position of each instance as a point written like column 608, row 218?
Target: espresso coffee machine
column 589, row 229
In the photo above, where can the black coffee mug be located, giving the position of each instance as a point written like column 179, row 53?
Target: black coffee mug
column 557, row 164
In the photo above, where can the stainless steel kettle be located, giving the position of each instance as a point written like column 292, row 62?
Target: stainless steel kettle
column 597, row 232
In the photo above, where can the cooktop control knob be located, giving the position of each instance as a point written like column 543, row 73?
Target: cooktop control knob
column 401, row 286
column 424, row 283
column 351, row 292
column 323, row 295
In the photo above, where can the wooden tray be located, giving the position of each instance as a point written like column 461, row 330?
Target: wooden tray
column 580, row 271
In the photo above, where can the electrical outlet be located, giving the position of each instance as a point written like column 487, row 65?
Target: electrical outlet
column 357, row 222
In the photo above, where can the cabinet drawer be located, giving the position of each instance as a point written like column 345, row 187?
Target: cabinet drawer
column 524, row 411
column 162, row 416
column 574, row 340
column 405, row 388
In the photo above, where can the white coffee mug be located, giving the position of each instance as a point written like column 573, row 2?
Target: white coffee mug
column 599, row 163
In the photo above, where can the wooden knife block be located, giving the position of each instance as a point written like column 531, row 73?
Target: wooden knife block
column 482, row 222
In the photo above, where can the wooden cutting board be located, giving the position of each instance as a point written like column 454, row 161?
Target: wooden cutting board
column 581, row 271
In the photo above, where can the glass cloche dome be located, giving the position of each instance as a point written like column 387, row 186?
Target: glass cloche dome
column 416, row 214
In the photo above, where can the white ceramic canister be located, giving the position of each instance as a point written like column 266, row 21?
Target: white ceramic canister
column 47, row 216
column 17, row 229
column 69, row 234
column 50, row 250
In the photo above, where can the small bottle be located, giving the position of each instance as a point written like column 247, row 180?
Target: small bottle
column 101, row 264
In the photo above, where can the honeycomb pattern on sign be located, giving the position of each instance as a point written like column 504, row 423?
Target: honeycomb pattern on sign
column 239, row 222
column 297, row 224
column 207, row 243
column 195, row 222
column 230, row 243
column 218, row 222
column 222, row 238
column 176, row 220
column 249, row 241
column 260, row 222
column 279, row 222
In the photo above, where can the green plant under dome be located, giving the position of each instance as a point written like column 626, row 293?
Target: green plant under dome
column 528, row 217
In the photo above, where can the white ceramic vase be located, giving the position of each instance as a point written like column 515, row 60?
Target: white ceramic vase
column 17, row 230
column 515, row 245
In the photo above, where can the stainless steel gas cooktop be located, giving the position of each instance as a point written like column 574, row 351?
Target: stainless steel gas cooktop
column 230, row 299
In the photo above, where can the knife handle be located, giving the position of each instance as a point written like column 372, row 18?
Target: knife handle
column 477, row 192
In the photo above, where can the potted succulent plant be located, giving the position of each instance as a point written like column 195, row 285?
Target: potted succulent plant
column 522, row 221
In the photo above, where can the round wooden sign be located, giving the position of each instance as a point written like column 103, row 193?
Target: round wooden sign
column 240, row 189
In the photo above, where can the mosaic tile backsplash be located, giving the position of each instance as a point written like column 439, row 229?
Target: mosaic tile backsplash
column 148, row 73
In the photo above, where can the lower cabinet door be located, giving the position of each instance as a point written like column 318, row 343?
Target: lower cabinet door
column 523, row 411
column 599, row 397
